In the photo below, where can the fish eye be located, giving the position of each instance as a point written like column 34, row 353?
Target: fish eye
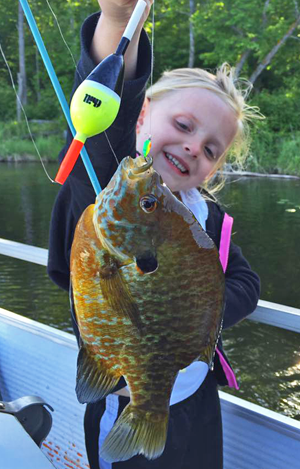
column 148, row 203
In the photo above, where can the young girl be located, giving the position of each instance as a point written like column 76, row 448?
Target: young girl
column 195, row 119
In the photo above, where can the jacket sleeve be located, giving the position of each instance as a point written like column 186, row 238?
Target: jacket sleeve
column 242, row 288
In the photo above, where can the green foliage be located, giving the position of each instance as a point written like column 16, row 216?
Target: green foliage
column 281, row 108
column 264, row 150
column 46, row 108
column 233, row 27
column 289, row 155
column 274, row 153
column 8, row 102
column 15, row 149
column 223, row 31
column 13, row 129
column 15, row 140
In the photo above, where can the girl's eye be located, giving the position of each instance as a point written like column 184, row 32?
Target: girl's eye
column 182, row 125
column 148, row 203
column 210, row 153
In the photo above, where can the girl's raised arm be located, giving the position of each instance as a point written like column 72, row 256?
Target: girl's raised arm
column 113, row 20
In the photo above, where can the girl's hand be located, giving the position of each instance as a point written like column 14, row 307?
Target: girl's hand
column 113, row 20
column 118, row 12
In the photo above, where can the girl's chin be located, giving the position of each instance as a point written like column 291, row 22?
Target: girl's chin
column 174, row 186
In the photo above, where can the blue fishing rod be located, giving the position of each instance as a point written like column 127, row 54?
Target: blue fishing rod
column 58, row 90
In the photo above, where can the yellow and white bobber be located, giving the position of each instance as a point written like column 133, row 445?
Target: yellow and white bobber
column 96, row 102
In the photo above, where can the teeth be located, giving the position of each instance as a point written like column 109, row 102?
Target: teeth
column 176, row 163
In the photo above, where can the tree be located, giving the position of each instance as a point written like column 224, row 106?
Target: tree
column 249, row 34
column 22, row 81
column 268, row 58
column 192, row 36
column 260, row 37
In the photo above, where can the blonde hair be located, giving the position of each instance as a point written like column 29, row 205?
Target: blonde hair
column 234, row 91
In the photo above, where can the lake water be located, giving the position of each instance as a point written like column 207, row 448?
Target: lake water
column 267, row 227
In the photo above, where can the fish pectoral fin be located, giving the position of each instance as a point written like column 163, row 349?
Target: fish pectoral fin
column 135, row 433
column 116, row 293
column 93, row 382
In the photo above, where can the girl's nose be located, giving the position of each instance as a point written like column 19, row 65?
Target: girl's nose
column 193, row 148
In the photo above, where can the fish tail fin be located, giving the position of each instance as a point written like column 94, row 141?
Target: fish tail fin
column 133, row 434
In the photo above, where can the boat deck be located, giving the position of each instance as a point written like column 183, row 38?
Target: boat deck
column 40, row 360
column 36, row 359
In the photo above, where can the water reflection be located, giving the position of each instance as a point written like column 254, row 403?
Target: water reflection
column 266, row 359
column 268, row 233
column 27, row 290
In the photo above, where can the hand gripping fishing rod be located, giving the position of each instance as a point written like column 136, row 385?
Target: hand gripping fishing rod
column 96, row 102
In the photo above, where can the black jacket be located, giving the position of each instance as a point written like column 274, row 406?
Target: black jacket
column 242, row 284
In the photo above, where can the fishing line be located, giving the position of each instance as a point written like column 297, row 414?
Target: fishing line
column 63, row 38
column 58, row 90
column 152, row 67
column 26, row 119
column 112, row 150
column 148, row 141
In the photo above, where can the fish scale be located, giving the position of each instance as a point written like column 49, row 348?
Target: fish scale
column 145, row 327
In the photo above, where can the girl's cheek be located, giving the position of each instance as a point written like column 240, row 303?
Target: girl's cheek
column 154, row 152
column 211, row 171
column 153, row 156
column 208, row 169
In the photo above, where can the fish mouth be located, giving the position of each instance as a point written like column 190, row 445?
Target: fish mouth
column 135, row 172
column 146, row 264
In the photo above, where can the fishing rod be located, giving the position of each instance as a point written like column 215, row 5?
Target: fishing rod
column 58, row 90
column 96, row 102
column 102, row 88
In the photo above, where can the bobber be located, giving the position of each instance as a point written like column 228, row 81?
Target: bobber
column 96, row 102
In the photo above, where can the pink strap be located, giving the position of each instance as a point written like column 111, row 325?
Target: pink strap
column 230, row 376
column 225, row 240
column 224, row 254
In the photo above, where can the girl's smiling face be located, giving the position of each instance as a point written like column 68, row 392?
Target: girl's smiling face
column 191, row 129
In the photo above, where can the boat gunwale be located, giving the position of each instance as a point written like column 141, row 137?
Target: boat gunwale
column 37, row 328
column 260, row 415
column 266, row 312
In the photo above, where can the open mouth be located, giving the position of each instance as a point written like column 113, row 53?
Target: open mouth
column 177, row 165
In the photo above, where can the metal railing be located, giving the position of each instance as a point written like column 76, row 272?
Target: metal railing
column 266, row 312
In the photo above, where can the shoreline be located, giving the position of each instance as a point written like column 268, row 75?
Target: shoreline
column 15, row 159
column 254, row 174
column 24, row 159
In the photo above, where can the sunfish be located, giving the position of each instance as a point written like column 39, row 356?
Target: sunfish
column 148, row 292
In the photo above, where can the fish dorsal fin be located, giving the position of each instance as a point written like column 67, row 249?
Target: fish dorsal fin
column 94, row 381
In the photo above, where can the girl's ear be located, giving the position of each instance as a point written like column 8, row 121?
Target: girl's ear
column 142, row 115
